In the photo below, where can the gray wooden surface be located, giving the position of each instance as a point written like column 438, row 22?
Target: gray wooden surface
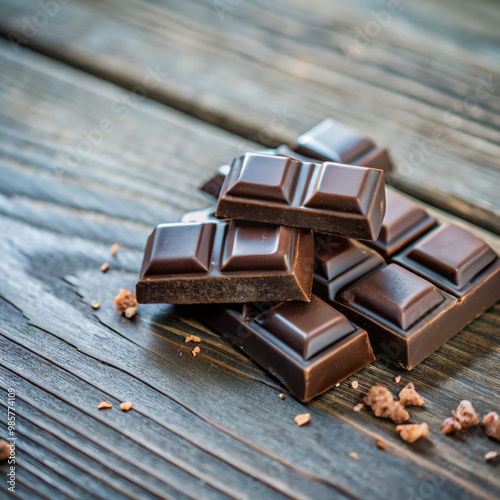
column 427, row 82
column 213, row 426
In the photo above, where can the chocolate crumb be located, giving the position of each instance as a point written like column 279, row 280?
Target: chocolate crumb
column 450, row 425
column 130, row 312
column 466, row 414
column 398, row 379
column 354, row 384
column 192, row 338
column 114, row 249
column 302, row 419
column 126, row 301
column 195, row 351
column 380, row 444
column 126, row 406
column 282, row 396
column 359, row 407
column 409, row 396
column 105, row 267
column 95, row 304
column 4, row 450
column 491, row 455
column 354, row 455
column 104, row 405
column 491, row 423
column 383, row 404
column 411, row 432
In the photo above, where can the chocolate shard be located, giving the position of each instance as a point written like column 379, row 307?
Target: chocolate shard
column 404, row 222
column 330, row 140
column 309, row 347
column 328, row 198
column 407, row 317
column 213, row 185
column 228, row 261
column 340, row 262
column 327, row 141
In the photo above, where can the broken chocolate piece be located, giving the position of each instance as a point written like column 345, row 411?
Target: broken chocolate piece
column 403, row 223
column 456, row 261
column 232, row 261
column 308, row 346
column 330, row 140
column 408, row 318
column 329, row 198
column 339, row 262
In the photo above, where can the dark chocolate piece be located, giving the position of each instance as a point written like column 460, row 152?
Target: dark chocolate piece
column 214, row 185
column 328, row 198
column 404, row 222
column 309, row 347
column 230, row 261
column 339, row 262
column 333, row 141
column 458, row 262
column 407, row 317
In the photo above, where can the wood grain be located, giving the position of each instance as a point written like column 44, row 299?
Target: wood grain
column 269, row 72
column 211, row 426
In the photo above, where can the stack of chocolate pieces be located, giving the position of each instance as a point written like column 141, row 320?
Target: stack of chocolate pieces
column 314, row 216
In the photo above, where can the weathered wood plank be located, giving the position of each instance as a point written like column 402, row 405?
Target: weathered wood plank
column 218, row 412
column 100, row 476
column 208, row 383
column 269, row 72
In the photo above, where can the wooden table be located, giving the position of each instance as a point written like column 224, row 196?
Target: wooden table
column 112, row 115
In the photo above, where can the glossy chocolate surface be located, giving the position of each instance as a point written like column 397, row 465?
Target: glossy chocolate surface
column 453, row 259
column 214, row 184
column 339, row 262
column 407, row 317
column 309, row 346
column 328, row 198
column 404, row 222
column 332, row 141
column 230, row 261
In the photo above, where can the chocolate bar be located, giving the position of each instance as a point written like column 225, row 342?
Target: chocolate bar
column 444, row 280
column 407, row 317
column 228, row 261
column 458, row 262
column 339, row 262
column 327, row 141
column 214, row 185
column 403, row 223
column 308, row 346
column 332, row 141
column 328, row 198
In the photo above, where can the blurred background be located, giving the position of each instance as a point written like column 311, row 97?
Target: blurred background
column 419, row 76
